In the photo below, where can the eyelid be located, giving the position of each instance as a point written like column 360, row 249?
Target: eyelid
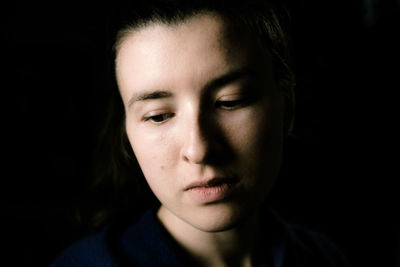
column 231, row 97
column 163, row 115
column 231, row 102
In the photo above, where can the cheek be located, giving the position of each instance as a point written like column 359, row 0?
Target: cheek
column 152, row 156
column 255, row 133
column 154, row 150
column 257, row 142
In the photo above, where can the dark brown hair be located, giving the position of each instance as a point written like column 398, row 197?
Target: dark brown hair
column 119, row 191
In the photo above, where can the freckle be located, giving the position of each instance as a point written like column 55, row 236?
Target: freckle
column 162, row 167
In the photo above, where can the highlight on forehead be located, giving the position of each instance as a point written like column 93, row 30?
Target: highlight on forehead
column 215, row 29
column 175, row 21
column 257, row 22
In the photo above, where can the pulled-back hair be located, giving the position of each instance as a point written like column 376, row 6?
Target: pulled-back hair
column 119, row 191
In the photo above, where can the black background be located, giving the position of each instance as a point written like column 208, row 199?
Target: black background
column 340, row 171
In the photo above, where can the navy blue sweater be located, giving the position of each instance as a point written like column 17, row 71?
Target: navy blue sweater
column 146, row 243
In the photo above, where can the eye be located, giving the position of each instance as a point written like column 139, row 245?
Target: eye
column 231, row 104
column 159, row 118
column 235, row 101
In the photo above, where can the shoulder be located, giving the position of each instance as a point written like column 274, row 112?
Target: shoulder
column 312, row 247
column 89, row 251
column 144, row 243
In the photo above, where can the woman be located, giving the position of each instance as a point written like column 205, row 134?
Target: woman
column 207, row 95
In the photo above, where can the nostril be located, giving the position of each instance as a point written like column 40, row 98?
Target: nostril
column 196, row 146
column 208, row 151
column 196, row 150
column 204, row 142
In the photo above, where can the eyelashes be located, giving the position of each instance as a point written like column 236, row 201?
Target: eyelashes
column 159, row 118
column 231, row 104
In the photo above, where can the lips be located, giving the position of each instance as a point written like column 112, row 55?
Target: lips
column 210, row 183
column 210, row 191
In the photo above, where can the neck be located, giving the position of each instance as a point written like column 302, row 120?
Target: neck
column 231, row 247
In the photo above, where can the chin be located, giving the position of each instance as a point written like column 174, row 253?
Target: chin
column 217, row 217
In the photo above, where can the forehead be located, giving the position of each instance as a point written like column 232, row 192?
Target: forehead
column 203, row 27
column 197, row 48
column 211, row 19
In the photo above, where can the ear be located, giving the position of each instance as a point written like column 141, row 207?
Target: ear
column 290, row 103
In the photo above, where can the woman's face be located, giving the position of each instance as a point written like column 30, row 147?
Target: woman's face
column 204, row 118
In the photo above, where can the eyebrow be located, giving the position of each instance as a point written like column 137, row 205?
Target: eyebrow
column 148, row 96
column 229, row 77
column 225, row 79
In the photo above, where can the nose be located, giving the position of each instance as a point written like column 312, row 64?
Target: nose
column 197, row 141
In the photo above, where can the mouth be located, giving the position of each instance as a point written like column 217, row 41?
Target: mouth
column 214, row 190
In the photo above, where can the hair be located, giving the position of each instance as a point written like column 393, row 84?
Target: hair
column 118, row 190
